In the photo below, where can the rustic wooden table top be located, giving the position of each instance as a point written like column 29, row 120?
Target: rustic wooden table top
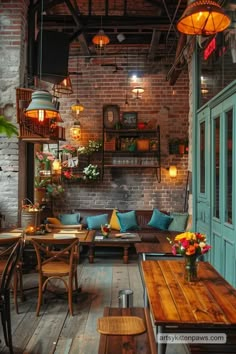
column 209, row 301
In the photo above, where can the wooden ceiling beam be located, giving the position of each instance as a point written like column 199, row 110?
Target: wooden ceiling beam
column 79, row 27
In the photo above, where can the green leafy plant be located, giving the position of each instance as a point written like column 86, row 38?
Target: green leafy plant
column 7, row 128
column 92, row 147
column 55, row 189
column 41, row 182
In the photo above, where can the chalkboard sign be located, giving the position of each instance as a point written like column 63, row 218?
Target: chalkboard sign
column 129, row 120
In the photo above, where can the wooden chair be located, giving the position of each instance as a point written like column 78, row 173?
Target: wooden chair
column 57, row 259
column 6, row 245
column 13, row 248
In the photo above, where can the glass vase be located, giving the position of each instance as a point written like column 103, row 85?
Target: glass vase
column 190, row 270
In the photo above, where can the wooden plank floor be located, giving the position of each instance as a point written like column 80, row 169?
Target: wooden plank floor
column 55, row 331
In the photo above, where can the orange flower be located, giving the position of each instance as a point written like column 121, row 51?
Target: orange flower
column 191, row 250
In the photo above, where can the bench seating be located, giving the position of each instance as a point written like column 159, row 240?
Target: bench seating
column 132, row 344
column 147, row 233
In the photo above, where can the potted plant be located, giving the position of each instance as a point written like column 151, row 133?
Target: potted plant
column 7, row 128
column 40, row 185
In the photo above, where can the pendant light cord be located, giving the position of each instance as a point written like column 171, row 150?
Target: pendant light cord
column 41, row 45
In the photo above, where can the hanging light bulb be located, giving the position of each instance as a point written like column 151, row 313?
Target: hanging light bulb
column 63, row 88
column 75, row 131
column 77, row 107
column 101, row 39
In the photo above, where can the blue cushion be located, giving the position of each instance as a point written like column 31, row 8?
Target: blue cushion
column 179, row 222
column 127, row 221
column 69, row 219
column 160, row 220
column 95, row 222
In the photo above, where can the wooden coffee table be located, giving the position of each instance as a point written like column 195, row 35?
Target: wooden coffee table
column 125, row 242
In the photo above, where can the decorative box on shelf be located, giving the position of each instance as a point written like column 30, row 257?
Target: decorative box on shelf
column 110, row 145
column 142, row 144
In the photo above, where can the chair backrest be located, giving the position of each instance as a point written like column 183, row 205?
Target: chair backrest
column 52, row 250
column 10, row 250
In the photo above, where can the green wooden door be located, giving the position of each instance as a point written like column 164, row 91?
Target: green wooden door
column 223, row 188
column 215, row 168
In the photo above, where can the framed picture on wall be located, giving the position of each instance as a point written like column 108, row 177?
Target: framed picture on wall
column 129, row 120
column 111, row 116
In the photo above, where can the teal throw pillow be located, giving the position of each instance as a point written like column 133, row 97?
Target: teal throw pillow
column 160, row 220
column 69, row 219
column 95, row 222
column 179, row 222
column 128, row 221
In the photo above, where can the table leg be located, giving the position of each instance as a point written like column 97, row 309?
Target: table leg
column 126, row 255
column 91, row 254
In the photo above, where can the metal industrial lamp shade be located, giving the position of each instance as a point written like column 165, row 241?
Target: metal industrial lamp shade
column 41, row 106
column 203, row 17
column 63, row 88
column 100, row 39
column 78, row 107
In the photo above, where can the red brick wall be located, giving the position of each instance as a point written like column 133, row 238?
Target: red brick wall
column 166, row 105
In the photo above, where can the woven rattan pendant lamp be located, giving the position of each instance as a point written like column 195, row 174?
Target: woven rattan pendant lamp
column 203, row 17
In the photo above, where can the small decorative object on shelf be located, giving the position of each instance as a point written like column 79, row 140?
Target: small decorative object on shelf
column 106, row 229
column 129, row 120
column 191, row 245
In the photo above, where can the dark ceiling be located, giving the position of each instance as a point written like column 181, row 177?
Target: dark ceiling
column 148, row 26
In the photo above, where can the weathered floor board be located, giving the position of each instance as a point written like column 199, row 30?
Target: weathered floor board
column 55, row 331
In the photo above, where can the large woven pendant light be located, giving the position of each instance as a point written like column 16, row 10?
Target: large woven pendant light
column 203, row 17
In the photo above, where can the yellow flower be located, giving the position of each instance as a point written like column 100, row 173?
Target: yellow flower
column 186, row 235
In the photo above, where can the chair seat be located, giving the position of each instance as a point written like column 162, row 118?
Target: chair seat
column 121, row 325
column 56, row 268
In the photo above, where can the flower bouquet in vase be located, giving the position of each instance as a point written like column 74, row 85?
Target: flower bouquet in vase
column 191, row 245
column 105, row 229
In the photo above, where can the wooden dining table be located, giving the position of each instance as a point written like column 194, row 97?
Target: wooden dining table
column 178, row 305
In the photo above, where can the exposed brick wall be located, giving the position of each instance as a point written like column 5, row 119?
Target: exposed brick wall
column 12, row 72
column 98, row 85
column 165, row 105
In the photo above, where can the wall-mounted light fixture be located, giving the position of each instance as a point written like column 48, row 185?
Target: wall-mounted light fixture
column 172, row 171
column 203, row 17
column 138, row 90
